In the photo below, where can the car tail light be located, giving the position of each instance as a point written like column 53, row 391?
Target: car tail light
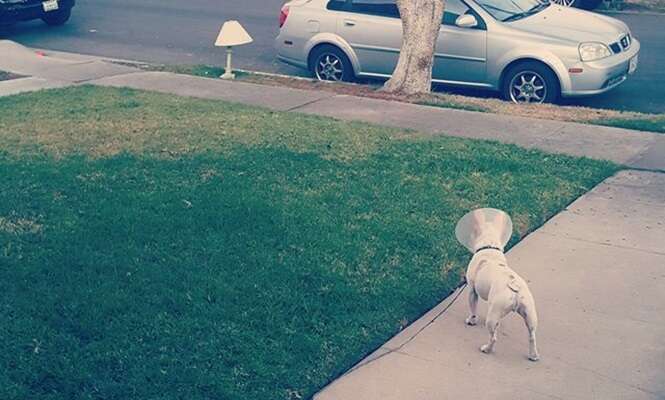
column 283, row 15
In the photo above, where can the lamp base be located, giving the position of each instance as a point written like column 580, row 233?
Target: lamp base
column 228, row 75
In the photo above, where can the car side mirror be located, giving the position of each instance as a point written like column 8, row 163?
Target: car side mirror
column 466, row 21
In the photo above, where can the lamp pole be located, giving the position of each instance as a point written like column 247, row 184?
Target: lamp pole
column 232, row 34
column 228, row 73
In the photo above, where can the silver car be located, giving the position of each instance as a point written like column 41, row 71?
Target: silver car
column 528, row 50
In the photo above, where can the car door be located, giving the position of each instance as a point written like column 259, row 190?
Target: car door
column 461, row 53
column 374, row 31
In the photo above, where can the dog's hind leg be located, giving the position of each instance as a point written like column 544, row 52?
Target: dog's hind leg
column 531, row 322
column 473, row 306
column 494, row 315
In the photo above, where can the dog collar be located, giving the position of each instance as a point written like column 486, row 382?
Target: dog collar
column 488, row 248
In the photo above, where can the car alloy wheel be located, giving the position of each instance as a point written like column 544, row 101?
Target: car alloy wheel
column 583, row 4
column 329, row 68
column 565, row 3
column 528, row 87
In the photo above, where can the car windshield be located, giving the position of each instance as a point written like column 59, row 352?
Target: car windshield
column 511, row 10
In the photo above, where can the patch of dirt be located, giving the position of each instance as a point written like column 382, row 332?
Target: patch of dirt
column 351, row 89
column 19, row 226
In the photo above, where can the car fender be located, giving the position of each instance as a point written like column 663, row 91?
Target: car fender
column 335, row 40
column 544, row 56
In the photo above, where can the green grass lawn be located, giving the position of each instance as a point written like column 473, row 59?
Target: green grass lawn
column 160, row 247
column 651, row 124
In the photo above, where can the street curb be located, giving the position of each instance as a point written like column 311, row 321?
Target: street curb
column 77, row 56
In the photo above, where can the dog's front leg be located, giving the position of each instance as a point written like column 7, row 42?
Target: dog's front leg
column 473, row 306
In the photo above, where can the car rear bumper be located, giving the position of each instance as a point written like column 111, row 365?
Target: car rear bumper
column 290, row 53
column 602, row 75
column 29, row 10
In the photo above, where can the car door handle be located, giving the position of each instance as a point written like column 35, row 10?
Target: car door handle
column 349, row 22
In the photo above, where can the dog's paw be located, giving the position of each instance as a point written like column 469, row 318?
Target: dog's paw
column 472, row 320
column 534, row 357
column 486, row 348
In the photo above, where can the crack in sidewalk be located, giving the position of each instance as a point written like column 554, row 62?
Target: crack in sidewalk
column 310, row 103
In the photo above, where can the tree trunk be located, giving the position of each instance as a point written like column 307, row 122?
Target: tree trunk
column 421, row 21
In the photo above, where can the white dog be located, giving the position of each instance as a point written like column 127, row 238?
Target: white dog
column 485, row 232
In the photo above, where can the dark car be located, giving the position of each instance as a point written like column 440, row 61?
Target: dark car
column 53, row 12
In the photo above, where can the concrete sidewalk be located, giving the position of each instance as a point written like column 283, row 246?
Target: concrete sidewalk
column 632, row 148
column 597, row 271
column 72, row 68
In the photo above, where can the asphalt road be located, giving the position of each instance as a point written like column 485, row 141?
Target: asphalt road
column 644, row 91
column 183, row 32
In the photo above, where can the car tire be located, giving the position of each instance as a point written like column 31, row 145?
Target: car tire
column 530, row 82
column 57, row 18
column 330, row 63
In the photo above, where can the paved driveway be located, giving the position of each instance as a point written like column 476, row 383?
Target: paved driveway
column 182, row 32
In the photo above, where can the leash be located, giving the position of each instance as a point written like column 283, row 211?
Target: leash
column 459, row 290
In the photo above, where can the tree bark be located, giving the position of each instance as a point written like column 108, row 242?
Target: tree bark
column 421, row 21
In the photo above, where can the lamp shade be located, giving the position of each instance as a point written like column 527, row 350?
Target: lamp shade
column 232, row 34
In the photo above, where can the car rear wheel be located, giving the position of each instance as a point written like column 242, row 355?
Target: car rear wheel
column 565, row 3
column 530, row 82
column 329, row 63
column 56, row 18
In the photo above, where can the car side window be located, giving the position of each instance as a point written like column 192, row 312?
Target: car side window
column 454, row 8
column 383, row 8
column 388, row 8
column 336, row 5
